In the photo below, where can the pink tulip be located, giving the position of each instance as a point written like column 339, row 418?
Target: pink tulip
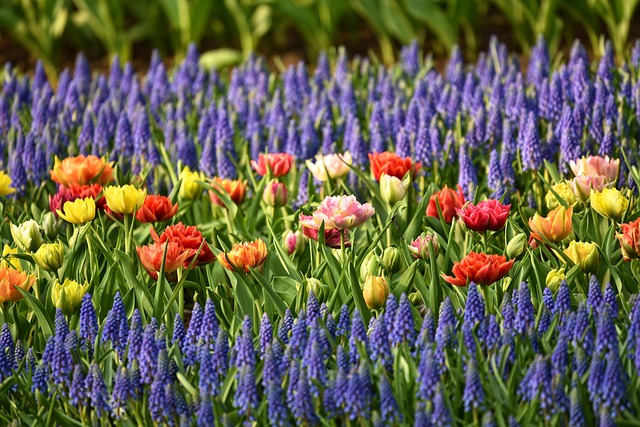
column 340, row 212
column 419, row 246
column 596, row 166
column 582, row 185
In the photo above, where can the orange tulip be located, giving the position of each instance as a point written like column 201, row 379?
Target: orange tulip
column 242, row 256
column 630, row 240
column 234, row 188
column 12, row 279
column 81, row 170
column 482, row 269
column 555, row 227
column 156, row 209
column 151, row 257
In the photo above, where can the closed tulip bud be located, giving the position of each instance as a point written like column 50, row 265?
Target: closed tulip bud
column 8, row 261
column 319, row 289
column 50, row 256
column 584, row 254
column 27, row 236
column 415, row 298
column 419, row 247
column 375, row 292
column 190, row 188
column 554, row 279
column 50, row 225
column 393, row 189
column 67, row 296
column 392, row 259
column 371, row 265
column 294, row 241
column 275, row 194
column 517, row 245
column 609, row 203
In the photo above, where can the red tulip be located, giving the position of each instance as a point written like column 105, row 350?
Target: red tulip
column 156, row 208
column 278, row 163
column 449, row 201
column 479, row 268
column 391, row 164
column 331, row 236
column 630, row 240
column 190, row 239
column 74, row 192
column 486, row 215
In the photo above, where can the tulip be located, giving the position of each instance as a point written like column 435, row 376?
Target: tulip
column 583, row 184
column 319, row 289
column 556, row 226
column 27, row 236
column 341, row 212
column 371, row 265
column 275, row 194
column 50, row 256
column 74, row 192
column 190, row 188
column 50, row 225
column 124, row 199
column 294, row 242
column 67, row 296
column 330, row 166
column 391, row 164
column 244, row 256
column 596, row 165
column 5, row 184
column 151, row 257
column 12, row 279
column 488, row 215
column 630, row 240
column 584, row 254
column 517, row 245
column 419, row 246
column 278, row 164
column 479, row 268
column 81, row 170
column 78, row 211
column 393, row 189
column 156, row 209
column 190, row 239
column 392, row 259
column 233, row 188
column 564, row 191
column 554, row 279
column 331, row 236
column 8, row 260
column 375, row 292
column 609, row 203
column 449, row 200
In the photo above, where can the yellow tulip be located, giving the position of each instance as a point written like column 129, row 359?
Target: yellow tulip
column 5, row 184
column 584, row 254
column 554, row 279
column 375, row 292
column 67, row 296
column 564, row 191
column 556, row 226
column 190, row 189
column 50, row 256
column 79, row 211
column 609, row 203
column 7, row 260
column 124, row 199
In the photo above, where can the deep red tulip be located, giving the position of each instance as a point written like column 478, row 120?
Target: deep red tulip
column 488, row 215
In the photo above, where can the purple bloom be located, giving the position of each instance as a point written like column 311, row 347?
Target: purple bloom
column 403, row 325
column 473, row 394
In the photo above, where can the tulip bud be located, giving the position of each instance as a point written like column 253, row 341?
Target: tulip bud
column 319, row 289
column 275, row 194
column 190, row 188
column 27, row 235
column 554, row 279
column 415, row 298
column 564, row 191
column 517, row 245
column 584, row 254
column 393, row 189
column 370, row 266
column 8, row 261
column 375, row 291
column 67, row 296
column 50, row 225
column 50, row 256
column 294, row 241
column 392, row 259
column 419, row 247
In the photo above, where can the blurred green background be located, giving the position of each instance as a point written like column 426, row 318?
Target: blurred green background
column 226, row 31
